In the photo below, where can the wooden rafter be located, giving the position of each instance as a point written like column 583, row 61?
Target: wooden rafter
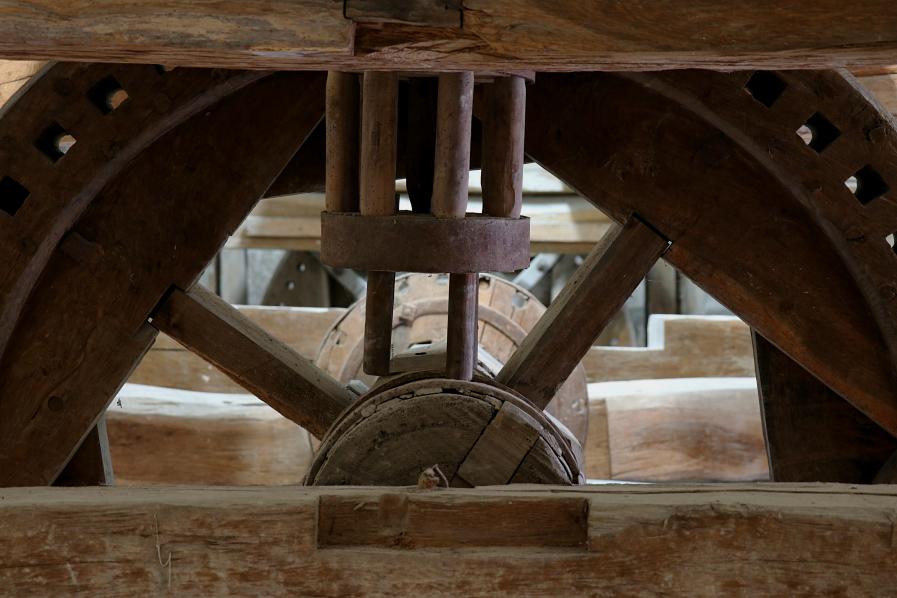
column 564, row 35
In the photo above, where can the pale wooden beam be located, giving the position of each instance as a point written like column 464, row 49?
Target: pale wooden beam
column 758, row 540
column 497, row 35
column 215, row 330
column 595, row 293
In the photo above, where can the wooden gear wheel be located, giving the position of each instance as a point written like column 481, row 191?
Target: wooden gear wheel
column 118, row 184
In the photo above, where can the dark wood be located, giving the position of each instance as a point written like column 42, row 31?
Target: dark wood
column 91, row 465
column 86, row 318
column 462, row 339
column 435, row 13
column 504, row 124
column 812, row 434
column 497, row 35
column 216, row 331
column 342, row 122
column 378, row 308
column 588, row 302
column 453, row 125
column 888, row 473
column 798, row 257
column 420, row 146
column 378, row 198
column 59, row 192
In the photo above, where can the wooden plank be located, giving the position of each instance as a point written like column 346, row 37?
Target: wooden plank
column 699, row 429
column 496, row 35
column 812, row 433
column 678, row 347
column 165, row 436
column 594, row 295
column 761, row 540
column 268, row 368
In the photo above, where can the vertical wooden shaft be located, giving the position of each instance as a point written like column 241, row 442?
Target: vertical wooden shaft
column 341, row 121
column 461, row 342
column 378, row 198
column 420, row 143
column 503, row 132
column 454, row 115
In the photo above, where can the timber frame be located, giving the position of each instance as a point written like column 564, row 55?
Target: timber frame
column 796, row 539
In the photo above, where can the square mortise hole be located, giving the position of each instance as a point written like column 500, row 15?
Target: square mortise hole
column 866, row 184
column 12, row 195
column 765, row 87
column 818, row 132
column 107, row 95
column 55, row 142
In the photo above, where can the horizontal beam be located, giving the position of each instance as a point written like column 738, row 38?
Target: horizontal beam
column 750, row 539
column 496, row 35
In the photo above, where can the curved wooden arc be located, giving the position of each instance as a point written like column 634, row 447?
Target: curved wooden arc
column 153, row 227
column 781, row 241
column 111, row 113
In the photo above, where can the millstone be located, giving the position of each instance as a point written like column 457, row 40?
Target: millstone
column 475, row 433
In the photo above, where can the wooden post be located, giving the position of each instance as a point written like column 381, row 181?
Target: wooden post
column 450, row 187
column 420, row 146
column 378, row 198
column 503, row 133
column 342, row 113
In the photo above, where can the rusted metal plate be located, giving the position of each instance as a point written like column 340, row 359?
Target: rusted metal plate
column 410, row 242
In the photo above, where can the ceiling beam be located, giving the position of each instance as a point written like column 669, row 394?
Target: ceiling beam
column 495, row 35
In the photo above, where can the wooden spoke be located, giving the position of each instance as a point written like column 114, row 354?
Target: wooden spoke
column 218, row 332
column 593, row 296
column 91, row 465
column 812, row 434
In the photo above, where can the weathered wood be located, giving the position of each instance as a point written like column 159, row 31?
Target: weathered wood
column 678, row 347
column 91, row 465
column 378, row 198
column 594, row 295
column 687, row 429
column 496, row 35
column 169, row 364
column 454, row 116
column 812, row 434
column 461, row 334
column 436, row 13
column 420, row 141
column 268, row 368
column 833, row 313
column 504, row 122
column 165, row 436
column 762, row 540
column 103, row 282
column 343, row 128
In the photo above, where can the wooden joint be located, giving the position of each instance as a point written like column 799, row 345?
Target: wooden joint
column 430, row 13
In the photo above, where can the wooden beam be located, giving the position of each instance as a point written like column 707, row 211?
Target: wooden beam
column 762, row 540
column 212, row 328
column 594, row 295
column 501, row 35
column 812, row 434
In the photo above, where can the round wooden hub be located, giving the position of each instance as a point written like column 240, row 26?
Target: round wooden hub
column 507, row 312
column 476, row 433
